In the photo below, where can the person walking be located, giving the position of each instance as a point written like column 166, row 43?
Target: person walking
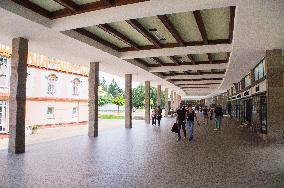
column 159, row 115
column 191, row 115
column 153, row 115
column 205, row 115
column 181, row 114
column 218, row 117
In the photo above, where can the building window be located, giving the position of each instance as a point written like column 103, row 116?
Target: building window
column 76, row 83
column 50, row 113
column 75, row 111
column 51, row 88
column 247, row 80
column 3, row 72
column 259, row 71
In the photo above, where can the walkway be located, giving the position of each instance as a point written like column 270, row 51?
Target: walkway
column 147, row 156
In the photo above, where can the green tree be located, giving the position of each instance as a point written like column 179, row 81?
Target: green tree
column 119, row 101
column 104, row 85
column 114, row 89
column 138, row 97
column 105, row 100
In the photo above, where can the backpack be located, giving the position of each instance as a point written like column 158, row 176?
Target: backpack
column 175, row 128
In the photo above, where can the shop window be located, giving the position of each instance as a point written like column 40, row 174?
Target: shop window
column 76, row 84
column 50, row 113
column 75, row 111
column 51, row 87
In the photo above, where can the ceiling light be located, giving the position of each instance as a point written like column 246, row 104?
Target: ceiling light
column 157, row 35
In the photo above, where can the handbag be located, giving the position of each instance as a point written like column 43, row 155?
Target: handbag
column 175, row 128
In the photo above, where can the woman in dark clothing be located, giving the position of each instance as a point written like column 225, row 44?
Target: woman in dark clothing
column 218, row 117
column 190, row 120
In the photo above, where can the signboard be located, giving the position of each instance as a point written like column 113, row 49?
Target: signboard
column 40, row 61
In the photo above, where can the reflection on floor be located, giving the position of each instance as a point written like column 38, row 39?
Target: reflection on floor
column 148, row 156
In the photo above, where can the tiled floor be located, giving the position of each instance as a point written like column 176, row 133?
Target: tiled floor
column 148, row 156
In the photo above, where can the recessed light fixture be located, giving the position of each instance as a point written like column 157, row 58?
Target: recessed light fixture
column 158, row 36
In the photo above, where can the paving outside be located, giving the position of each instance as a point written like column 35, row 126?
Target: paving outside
column 147, row 156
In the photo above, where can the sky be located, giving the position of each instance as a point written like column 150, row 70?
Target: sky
column 119, row 80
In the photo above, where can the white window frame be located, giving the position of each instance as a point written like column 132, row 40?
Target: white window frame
column 76, row 87
column 50, row 115
column 51, row 84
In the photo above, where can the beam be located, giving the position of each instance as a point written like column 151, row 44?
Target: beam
column 231, row 26
column 70, row 5
column 167, row 23
column 195, row 76
column 107, row 28
column 96, row 38
column 34, row 7
column 221, row 65
column 198, row 82
column 201, row 27
column 177, row 51
column 195, row 84
column 94, row 6
column 174, row 60
column 191, row 59
column 157, row 60
column 138, row 27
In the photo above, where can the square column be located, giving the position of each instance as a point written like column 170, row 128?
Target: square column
column 147, row 102
column 159, row 95
column 128, row 100
column 17, row 99
column 166, row 102
column 93, row 99
column 172, row 100
column 275, row 94
column 175, row 101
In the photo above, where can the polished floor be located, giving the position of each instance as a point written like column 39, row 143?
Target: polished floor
column 148, row 156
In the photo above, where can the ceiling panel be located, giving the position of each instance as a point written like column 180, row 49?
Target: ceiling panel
column 154, row 23
column 200, row 57
column 216, row 23
column 49, row 5
column 165, row 59
column 124, row 28
column 106, row 36
column 81, row 2
column 219, row 56
column 186, row 26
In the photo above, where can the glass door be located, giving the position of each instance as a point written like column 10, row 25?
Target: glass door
column 263, row 114
column 3, row 117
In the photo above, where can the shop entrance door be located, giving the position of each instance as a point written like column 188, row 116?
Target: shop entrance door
column 248, row 110
column 263, row 114
column 3, row 117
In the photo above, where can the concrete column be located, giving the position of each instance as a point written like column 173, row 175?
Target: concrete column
column 166, row 102
column 17, row 99
column 147, row 102
column 175, row 101
column 128, row 100
column 93, row 99
column 275, row 94
column 172, row 100
column 159, row 95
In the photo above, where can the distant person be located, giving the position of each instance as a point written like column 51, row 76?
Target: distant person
column 211, row 113
column 230, row 110
column 159, row 115
column 205, row 115
column 191, row 115
column 181, row 113
column 153, row 115
column 218, row 117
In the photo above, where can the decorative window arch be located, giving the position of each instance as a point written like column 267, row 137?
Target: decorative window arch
column 75, row 86
column 51, row 87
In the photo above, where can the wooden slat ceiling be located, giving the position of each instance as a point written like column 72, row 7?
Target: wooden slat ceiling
column 196, row 28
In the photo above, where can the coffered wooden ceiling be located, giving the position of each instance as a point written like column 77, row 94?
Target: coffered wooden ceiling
column 194, row 28
column 53, row 9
